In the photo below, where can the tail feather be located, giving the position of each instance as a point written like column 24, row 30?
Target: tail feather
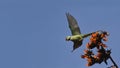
column 86, row 35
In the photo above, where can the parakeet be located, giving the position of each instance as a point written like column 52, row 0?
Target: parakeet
column 77, row 37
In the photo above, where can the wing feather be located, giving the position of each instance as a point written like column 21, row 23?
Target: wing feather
column 75, row 30
column 77, row 44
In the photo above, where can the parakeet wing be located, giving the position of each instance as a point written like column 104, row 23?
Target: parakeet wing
column 75, row 30
column 77, row 44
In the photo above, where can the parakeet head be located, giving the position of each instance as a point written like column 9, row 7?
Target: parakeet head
column 68, row 38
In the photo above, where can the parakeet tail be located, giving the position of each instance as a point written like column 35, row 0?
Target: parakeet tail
column 86, row 35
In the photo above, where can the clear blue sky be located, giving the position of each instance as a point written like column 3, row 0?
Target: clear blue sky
column 32, row 32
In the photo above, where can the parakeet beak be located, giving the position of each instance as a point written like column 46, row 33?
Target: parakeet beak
column 67, row 38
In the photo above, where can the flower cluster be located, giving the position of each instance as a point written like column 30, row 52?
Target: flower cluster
column 96, row 40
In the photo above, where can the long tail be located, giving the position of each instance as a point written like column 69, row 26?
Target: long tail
column 86, row 35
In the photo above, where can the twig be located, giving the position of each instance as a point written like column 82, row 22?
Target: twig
column 113, row 61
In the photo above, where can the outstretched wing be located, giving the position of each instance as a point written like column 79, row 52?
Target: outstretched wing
column 75, row 30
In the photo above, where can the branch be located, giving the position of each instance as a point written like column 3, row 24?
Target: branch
column 113, row 61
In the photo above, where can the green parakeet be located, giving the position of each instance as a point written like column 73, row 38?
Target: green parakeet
column 77, row 37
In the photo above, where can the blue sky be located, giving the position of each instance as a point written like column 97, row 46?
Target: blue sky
column 32, row 32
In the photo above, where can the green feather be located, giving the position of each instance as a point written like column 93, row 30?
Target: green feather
column 75, row 30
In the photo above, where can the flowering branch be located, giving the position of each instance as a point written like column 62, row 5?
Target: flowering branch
column 102, row 54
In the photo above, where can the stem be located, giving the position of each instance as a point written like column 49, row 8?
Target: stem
column 113, row 61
